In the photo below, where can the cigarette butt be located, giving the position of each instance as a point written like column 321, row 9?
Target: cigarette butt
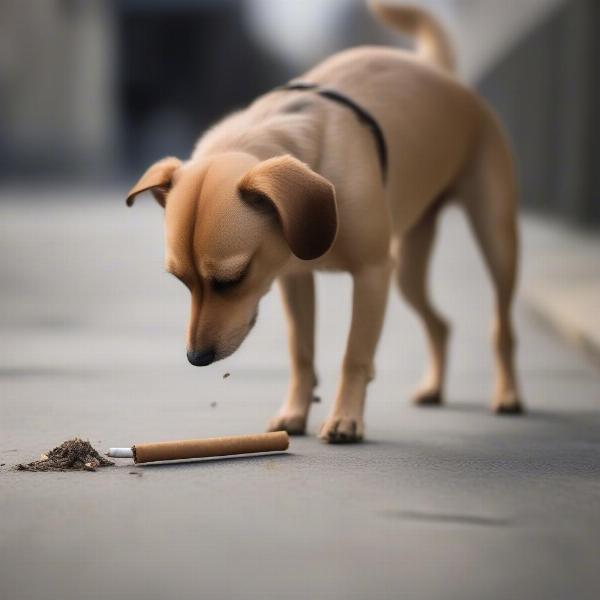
column 221, row 446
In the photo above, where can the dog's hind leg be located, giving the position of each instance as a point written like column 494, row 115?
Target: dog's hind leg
column 298, row 293
column 413, row 254
column 488, row 193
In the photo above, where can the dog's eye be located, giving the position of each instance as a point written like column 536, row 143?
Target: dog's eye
column 222, row 286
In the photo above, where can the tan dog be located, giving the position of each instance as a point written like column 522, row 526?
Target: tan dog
column 293, row 184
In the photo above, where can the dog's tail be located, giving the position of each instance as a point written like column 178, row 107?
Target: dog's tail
column 431, row 40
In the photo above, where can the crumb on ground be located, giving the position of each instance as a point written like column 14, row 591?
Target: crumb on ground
column 72, row 455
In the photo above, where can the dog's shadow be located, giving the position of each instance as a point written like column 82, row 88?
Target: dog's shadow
column 572, row 417
column 429, row 517
column 462, row 406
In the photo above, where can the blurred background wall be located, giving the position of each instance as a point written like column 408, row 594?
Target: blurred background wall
column 92, row 90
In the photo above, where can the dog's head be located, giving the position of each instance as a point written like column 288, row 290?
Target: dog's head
column 232, row 223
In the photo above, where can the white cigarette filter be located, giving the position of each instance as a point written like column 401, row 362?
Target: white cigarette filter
column 276, row 441
column 120, row 452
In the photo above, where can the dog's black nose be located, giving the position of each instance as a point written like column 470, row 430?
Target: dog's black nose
column 202, row 358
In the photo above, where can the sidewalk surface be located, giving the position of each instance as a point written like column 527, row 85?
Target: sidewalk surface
column 562, row 281
column 450, row 503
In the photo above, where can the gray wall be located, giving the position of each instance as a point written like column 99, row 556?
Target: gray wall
column 546, row 91
column 57, row 97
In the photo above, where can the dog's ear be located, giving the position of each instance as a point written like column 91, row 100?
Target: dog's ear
column 157, row 179
column 303, row 201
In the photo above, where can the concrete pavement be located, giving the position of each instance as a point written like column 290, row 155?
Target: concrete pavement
column 563, row 281
column 438, row 503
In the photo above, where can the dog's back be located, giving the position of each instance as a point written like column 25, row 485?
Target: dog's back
column 430, row 119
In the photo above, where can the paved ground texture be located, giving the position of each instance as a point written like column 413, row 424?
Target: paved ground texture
column 451, row 503
column 563, row 282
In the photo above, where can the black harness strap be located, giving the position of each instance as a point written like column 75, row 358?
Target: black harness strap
column 363, row 116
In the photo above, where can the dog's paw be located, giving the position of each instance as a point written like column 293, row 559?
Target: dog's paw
column 427, row 398
column 508, row 404
column 294, row 424
column 342, row 430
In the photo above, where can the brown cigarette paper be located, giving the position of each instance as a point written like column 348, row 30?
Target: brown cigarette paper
column 220, row 446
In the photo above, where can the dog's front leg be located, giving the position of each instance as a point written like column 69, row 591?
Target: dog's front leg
column 345, row 423
column 298, row 293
